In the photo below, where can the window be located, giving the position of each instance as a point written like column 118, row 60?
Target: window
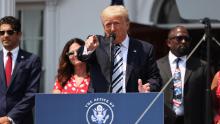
column 31, row 16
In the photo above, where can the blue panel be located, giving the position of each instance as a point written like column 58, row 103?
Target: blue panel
column 99, row 108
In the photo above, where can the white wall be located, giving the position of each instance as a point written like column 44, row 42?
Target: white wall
column 199, row 9
column 78, row 18
column 139, row 10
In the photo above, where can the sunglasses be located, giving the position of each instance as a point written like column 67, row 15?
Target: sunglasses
column 70, row 53
column 181, row 38
column 9, row 32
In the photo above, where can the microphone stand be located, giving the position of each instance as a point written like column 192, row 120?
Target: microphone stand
column 208, row 108
column 111, row 59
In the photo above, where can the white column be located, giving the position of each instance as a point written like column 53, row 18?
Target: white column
column 7, row 8
column 50, row 46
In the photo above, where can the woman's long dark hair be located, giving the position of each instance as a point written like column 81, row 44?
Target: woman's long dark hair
column 66, row 69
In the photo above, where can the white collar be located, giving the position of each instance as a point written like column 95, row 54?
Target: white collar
column 14, row 51
column 172, row 58
column 125, row 42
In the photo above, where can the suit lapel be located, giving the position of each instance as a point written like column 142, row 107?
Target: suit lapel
column 105, row 48
column 165, row 72
column 2, row 73
column 168, row 73
column 165, row 67
column 106, row 45
column 189, row 65
column 132, row 53
column 18, row 64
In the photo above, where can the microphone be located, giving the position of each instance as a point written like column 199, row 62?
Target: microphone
column 112, row 37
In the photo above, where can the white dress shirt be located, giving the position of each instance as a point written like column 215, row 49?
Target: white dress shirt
column 124, row 51
column 14, row 56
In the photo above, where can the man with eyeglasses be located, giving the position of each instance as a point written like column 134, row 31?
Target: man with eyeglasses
column 184, row 96
column 19, row 75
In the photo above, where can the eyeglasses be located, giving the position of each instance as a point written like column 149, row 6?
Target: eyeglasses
column 9, row 32
column 181, row 38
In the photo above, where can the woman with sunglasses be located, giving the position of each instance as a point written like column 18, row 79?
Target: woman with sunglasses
column 73, row 75
column 215, row 88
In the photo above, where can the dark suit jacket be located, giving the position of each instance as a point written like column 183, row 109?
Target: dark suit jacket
column 140, row 64
column 17, row 100
column 194, row 91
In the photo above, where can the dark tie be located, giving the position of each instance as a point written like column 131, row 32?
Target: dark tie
column 177, row 94
column 8, row 68
column 117, row 74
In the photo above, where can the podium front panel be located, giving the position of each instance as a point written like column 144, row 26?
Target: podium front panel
column 98, row 108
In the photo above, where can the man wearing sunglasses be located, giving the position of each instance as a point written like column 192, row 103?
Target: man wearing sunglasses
column 184, row 95
column 19, row 75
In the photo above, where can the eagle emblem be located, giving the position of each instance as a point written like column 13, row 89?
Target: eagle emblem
column 99, row 115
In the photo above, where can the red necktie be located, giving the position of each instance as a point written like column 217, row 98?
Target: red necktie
column 8, row 68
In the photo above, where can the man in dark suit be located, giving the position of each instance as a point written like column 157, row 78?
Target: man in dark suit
column 138, row 63
column 190, row 110
column 19, row 75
